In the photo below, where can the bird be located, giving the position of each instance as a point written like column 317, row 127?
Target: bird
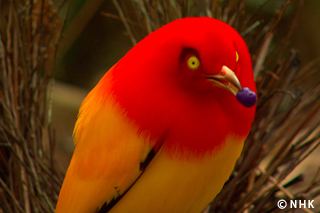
column 163, row 128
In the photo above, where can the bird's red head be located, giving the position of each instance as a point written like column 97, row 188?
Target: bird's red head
column 182, row 80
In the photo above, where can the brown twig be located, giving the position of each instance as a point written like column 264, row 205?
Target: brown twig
column 29, row 33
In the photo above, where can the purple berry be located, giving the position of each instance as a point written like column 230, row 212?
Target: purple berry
column 246, row 97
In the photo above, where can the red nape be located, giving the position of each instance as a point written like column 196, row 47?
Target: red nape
column 147, row 85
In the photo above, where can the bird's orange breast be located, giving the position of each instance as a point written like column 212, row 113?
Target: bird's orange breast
column 180, row 186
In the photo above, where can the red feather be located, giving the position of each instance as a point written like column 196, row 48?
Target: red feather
column 160, row 96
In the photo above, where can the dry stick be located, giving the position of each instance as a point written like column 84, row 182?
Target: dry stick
column 19, row 74
column 32, row 166
column 306, row 70
column 13, row 60
column 264, row 49
column 40, row 23
column 146, row 16
column 296, row 110
column 12, row 197
column 301, row 141
column 290, row 169
column 124, row 20
column 251, row 28
column 115, row 17
column 262, row 54
column 313, row 181
column 261, row 181
column 279, row 122
column 277, row 157
column 264, row 190
column 315, row 141
column 285, row 191
column 281, row 188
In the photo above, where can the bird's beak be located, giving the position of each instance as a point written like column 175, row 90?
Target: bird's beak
column 226, row 79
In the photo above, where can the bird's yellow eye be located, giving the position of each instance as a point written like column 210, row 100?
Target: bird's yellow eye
column 193, row 62
column 237, row 56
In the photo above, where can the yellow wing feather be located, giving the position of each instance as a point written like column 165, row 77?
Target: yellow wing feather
column 106, row 158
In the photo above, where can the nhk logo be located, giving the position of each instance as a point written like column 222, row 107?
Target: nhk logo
column 295, row 204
